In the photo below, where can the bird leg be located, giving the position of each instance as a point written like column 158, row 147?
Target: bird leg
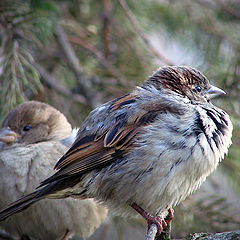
column 159, row 221
column 166, row 233
column 66, row 235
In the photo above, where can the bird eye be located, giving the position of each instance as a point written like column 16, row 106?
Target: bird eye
column 26, row 128
column 198, row 88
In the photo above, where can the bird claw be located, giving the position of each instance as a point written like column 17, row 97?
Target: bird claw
column 170, row 216
column 159, row 221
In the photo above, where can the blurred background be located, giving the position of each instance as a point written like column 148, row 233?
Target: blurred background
column 77, row 54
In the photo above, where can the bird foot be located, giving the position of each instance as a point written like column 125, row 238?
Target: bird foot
column 159, row 221
column 170, row 216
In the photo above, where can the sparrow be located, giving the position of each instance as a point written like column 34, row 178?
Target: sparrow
column 144, row 152
column 32, row 140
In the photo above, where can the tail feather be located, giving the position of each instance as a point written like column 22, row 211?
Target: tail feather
column 20, row 205
column 28, row 200
column 57, row 189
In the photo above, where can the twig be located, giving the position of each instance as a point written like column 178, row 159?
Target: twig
column 152, row 231
column 55, row 85
column 229, row 10
column 107, row 20
column 141, row 34
column 81, row 39
column 113, row 70
column 73, row 63
column 223, row 7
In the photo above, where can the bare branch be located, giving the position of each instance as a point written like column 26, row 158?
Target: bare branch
column 223, row 7
column 107, row 20
column 112, row 69
column 73, row 63
column 49, row 80
column 141, row 34
column 215, row 236
column 151, row 233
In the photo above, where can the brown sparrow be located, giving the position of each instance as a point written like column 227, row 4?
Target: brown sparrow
column 32, row 134
column 145, row 151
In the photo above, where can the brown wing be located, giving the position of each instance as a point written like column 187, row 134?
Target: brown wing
column 95, row 154
column 94, row 151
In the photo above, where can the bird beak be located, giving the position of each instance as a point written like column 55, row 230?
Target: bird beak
column 8, row 136
column 213, row 92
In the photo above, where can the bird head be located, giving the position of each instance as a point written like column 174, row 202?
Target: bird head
column 185, row 81
column 33, row 122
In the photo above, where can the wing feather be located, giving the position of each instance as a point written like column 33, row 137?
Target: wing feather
column 122, row 101
column 105, row 146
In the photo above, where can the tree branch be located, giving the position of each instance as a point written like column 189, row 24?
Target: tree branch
column 111, row 68
column 215, row 236
column 151, row 233
column 223, row 7
column 141, row 34
column 107, row 20
column 87, row 87
column 50, row 81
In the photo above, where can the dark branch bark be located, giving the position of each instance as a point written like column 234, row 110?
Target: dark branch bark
column 110, row 67
column 87, row 87
column 234, row 235
column 51, row 82
column 107, row 20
